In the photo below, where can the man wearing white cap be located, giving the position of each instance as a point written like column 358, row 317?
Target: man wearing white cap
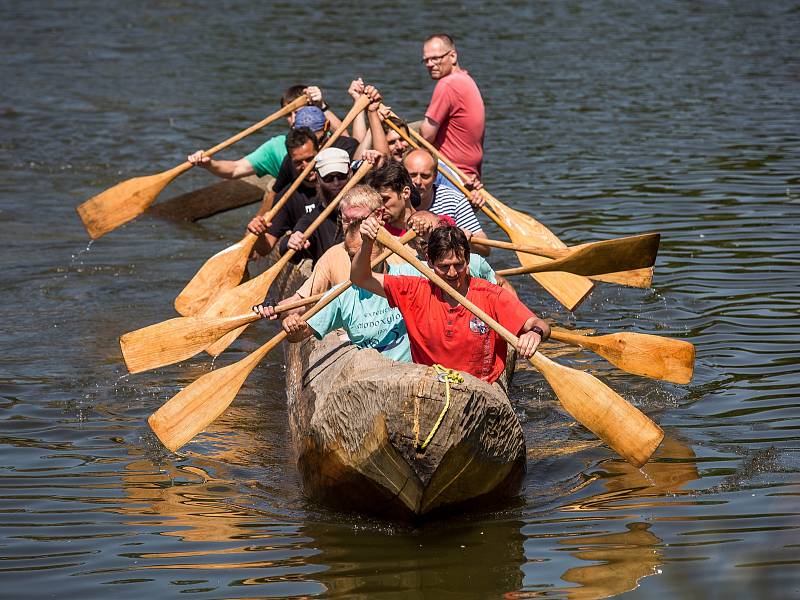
column 333, row 172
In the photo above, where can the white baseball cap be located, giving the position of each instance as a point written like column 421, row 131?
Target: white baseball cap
column 332, row 160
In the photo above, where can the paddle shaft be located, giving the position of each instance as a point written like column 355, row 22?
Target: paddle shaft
column 358, row 107
column 192, row 409
column 537, row 250
column 619, row 424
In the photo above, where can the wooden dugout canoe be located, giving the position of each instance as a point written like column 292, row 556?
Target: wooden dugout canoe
column 353, row 417
column 221, row 196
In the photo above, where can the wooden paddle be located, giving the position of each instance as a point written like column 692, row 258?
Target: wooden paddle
column 196, row 406
column 595, row 405
column 638, row 353
column 225, row 269
column 241, row 298
column 127, row 200
column 607, row 256
column 180, row 338
column 519, row 225
column 570, row 290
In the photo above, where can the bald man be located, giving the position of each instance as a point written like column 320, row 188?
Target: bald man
column 440, row 199
column 454, row 120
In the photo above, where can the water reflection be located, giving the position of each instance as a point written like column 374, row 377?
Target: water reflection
column 451, row 559
column 622, row 557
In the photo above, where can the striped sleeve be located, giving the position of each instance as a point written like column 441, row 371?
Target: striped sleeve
column 450, row 202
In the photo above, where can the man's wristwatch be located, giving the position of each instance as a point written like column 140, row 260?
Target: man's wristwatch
column 539, row 330
column 324, row 106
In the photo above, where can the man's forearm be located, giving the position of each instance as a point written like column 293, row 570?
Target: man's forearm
column 477, row 248
column 535, row 321
column 428, row 129
column 379, row 142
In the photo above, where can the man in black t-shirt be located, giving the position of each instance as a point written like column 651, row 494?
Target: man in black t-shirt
column 333, row 172
column 302, row 146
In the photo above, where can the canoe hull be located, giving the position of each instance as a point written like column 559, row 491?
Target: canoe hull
column 357, row 419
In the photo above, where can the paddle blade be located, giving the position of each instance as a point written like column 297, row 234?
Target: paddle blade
column 221, row 272
column 240, row 300
column 124, row 202
column 638, row 278
column 623, row 427
column 612, row 256
column 218, row 346
column 174, row 340
column 647, row 355
column 570, row 290
column 192, row 409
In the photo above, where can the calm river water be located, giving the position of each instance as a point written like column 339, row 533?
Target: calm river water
column 604, row 119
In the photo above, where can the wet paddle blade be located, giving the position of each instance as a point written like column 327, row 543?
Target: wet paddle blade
column 638, row 278
column 622, row 426
column 239, row 300
column 174, row 340
column 223, row 271
column 124, row 202
column 570, row 290
column 640, row 353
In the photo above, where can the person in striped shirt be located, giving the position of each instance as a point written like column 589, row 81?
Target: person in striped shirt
column 441, row 199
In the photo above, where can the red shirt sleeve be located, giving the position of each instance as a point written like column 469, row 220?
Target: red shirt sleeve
column 511, row 313
column 441, row 104
column 400, row 289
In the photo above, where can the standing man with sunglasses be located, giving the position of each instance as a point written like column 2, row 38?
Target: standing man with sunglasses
column 454, row 120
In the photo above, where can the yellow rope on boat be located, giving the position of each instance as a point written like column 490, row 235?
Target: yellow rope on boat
column 447, row 376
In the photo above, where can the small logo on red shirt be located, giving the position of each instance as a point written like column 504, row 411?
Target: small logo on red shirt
column 478, row 326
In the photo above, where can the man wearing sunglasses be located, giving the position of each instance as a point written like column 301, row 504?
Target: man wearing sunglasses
column 454, row 120
column 332, row 173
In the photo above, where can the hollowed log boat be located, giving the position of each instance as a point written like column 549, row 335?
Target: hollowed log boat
column 357, row 421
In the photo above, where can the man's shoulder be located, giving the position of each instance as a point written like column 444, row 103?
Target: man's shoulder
column 306, row 204
column 458, row 78
column 447, row 193
column 406, row 282
column 346, row 143
column 334, row 255
column 276, row 141
column 483, row 287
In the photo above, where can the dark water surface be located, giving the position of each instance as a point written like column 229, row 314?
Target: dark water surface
column 604, row 119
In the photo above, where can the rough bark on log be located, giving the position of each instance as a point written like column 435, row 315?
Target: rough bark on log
column 354, row 417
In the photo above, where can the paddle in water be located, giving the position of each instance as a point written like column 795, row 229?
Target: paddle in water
column 196, row 406
column 570, row 290
column 225, row 269
column 638, row 353
column 127, row 200
column 591, row 402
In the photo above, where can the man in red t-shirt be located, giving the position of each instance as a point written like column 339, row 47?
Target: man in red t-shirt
column 440, row 330
column 454, row 120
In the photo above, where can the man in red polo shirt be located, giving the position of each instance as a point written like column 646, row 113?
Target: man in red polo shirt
column 454, row 119
column 440, row 330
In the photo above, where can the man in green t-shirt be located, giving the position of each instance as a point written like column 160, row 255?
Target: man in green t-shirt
column 267, row 158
